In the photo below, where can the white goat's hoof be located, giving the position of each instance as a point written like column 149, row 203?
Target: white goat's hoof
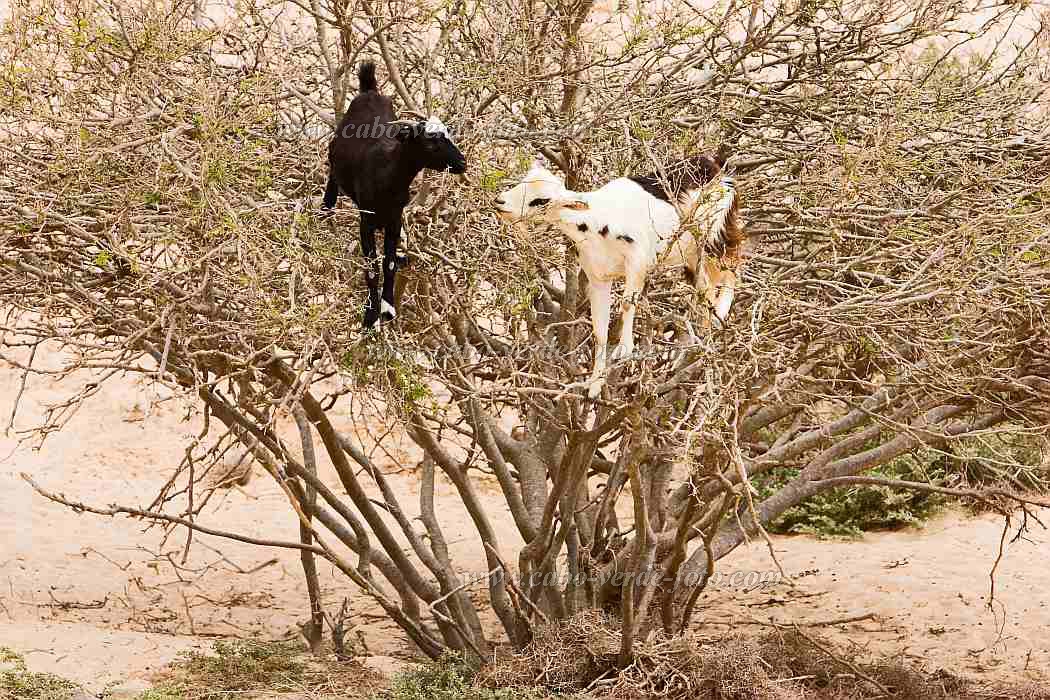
column 595, row 389
column 387, row 313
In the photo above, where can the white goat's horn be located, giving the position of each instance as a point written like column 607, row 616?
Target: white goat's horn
column 402, row 122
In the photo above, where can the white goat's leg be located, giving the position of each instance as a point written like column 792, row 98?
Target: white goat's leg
column 726, row 292
column 720, row 292
column 600, row 295
column 632, row 294
column 707, row 278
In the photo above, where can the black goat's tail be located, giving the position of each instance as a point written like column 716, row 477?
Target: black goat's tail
column 366, row 76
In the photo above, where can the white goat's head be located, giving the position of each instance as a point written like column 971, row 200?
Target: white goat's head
column 539, row 196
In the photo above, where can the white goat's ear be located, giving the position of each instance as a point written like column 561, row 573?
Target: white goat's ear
column 540, row 161
column 576, row 204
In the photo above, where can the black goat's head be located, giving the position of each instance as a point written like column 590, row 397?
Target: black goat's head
column 429, row 140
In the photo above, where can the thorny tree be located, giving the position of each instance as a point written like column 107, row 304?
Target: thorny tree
column 160, row 164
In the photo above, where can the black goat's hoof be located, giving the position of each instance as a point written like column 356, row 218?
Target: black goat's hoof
column 402, row 261
column 371, row 318
column 387, row 312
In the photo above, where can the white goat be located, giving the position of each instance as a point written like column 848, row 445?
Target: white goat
column 622, row 229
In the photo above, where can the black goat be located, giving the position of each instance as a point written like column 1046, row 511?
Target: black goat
column 374, row 157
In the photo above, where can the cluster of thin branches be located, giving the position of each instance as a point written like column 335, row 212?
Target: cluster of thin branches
column 160, row 165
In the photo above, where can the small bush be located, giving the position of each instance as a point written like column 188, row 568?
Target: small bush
column 449, row 678
column 848, row 512
column 974, row 463
column 247, row 665
column 162, row 693
column 240, row 667
column 19, row 683
column 1010, row 461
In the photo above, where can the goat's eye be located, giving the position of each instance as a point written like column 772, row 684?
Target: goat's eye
column 539, row 201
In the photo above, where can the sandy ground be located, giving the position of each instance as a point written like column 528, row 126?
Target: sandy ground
column 928, row 589
column 70, row 582
column 104, row 600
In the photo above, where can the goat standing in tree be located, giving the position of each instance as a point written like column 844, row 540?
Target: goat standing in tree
column 373, row 158
column 621, row 229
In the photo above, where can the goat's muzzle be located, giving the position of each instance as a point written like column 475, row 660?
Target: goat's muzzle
column 500, row 205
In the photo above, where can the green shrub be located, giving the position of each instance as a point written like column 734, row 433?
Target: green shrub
column 449, row 678
column 850, row 511
column 1009, row 460
column 19, row 683
column 162, row 693
column 245, row 669
column 242, row 665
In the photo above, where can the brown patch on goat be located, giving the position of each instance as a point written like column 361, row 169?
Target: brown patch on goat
column 730, row 243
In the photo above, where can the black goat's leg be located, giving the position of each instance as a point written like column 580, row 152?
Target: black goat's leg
column 331, row 193
column 368, row 250
column 391, row 239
